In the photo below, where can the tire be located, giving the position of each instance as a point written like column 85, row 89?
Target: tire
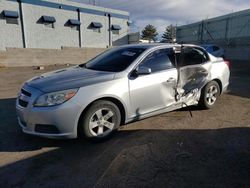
column 100, row 120
column 209, row 95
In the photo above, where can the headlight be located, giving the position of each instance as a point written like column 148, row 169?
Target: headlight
column 55, row 98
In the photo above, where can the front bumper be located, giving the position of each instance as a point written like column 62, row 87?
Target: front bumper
column 52, row 122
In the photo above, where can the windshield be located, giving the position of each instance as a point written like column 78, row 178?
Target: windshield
column 114, row 60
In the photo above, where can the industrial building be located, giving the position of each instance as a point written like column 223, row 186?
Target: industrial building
column 231, row 31
column 53, row 24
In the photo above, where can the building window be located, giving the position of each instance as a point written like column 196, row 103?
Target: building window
column 11, row 21
column 49, row 25
column 48, row 21
column 95, row 26
column 73, row 24
column 75, row 27
column 11, row 17
column 97, row 30
column 115, row 32
column 116, row 29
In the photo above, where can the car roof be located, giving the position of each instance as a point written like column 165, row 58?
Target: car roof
column 207, row 45
column 148, row 45
column 154, row 45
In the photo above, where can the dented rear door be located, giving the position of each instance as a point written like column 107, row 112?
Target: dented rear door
column 194, row 68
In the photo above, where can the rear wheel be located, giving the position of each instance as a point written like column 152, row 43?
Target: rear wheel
column 100, row 120
column 209, row 95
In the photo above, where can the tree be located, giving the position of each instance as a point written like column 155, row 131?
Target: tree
column 169, row 34
column 149, row 33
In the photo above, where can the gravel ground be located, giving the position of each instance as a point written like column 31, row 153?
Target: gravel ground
column 210, row 149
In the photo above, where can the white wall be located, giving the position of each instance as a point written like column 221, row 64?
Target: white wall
column 10, row 34
column 91, row 38
column 40, row 36
column 37, row 35
column 122, row 37
column 34, row 57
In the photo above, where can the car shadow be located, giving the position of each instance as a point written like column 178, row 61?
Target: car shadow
column 14, row 140
column 191, row 108
column 142, row 158
column 131, row 158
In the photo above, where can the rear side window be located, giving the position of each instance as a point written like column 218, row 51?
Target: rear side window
column 193, row 56
column 159, row 60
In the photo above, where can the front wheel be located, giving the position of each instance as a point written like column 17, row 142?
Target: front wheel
column 209, row 95
column 100, row 120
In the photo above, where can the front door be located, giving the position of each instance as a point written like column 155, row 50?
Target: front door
column 155, row 91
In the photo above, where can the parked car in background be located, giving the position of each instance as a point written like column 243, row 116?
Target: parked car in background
column 121, row 85
column 214, row 50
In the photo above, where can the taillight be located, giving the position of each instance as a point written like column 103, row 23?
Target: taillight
column 227, row 62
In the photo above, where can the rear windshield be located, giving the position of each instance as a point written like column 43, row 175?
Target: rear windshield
column 114, row 60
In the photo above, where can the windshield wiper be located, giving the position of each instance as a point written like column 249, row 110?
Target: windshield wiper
column 82, row 65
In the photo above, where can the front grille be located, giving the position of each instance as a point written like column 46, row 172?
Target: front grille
column 22, row 103
column 25, row 93
column 23, row 98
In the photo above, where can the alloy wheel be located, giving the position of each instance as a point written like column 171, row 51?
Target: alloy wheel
column 211, row 95
column 102, row 122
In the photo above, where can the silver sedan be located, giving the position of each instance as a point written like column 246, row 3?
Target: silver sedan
column 121, row 85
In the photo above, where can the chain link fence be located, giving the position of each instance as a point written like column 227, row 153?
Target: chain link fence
column 232, row 32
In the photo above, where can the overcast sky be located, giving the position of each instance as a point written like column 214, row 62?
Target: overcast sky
column 162, row 13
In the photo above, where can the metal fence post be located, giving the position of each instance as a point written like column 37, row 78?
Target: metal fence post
column 80, row 28
column 22, row 24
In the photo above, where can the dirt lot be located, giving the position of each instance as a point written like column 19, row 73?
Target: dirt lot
column 210, row 149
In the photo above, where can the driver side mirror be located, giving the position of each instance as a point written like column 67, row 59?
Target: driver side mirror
column 141, row 70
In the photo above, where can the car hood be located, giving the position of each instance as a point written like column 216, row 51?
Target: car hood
column 69, row 78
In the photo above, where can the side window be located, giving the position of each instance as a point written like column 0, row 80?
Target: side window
column 158, row 60
column 193, row 56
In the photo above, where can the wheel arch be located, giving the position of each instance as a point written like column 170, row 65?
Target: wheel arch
column 116, row 101
column 203, row 101
column 219, row 83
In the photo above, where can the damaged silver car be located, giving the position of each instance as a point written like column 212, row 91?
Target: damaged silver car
column 121, row 85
